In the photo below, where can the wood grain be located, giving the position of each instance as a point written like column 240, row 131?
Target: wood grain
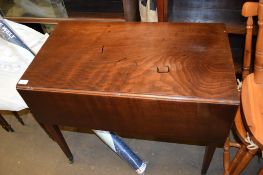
column 249, row 117
column 200, row 61
column 142, row 119
column 166, row 81
column 252, row 95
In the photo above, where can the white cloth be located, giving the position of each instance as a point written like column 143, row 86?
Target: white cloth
column 14, row 60
column 147, row 15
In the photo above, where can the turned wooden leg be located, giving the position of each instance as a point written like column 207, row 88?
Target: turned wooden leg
column 249, row 154
column 54, row 132
column 131, row 10
column 5, row 124
column 227, row 156
column 18, row 117
column 209, row 152
column 162, row 6
column 239, row 155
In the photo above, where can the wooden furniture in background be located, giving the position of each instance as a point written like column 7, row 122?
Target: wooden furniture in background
column 223, row 11
column 18, row 117
column 162, row 9
column 6, row 125
column 103, row 10
column 249, row 10
column 249, row 117
column 152, row 81
column 131, row 10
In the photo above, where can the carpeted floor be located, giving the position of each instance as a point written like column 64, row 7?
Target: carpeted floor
column 30, row 151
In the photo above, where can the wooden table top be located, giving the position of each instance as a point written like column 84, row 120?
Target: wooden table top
column 170, row 61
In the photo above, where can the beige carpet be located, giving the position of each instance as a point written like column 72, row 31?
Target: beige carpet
column 29, row 151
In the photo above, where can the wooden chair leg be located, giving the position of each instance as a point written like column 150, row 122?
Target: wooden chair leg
column 54, row 132
column 240, row 153
column 249, row 154
column 18, row 117
column 5, row 124
column 227, row 157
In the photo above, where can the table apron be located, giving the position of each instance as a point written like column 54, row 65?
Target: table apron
column 172, row 121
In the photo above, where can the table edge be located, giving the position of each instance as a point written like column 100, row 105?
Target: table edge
column 131, row 95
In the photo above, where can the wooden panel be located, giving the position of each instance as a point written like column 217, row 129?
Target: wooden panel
column 225, row 11
column 169, row 82
column 198, row 57
column 161, row 120
column 103, row 76
column 207, row 15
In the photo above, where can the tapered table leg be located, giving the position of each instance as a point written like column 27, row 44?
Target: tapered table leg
column 43, row 127
column 5, row 124
column 209, row 152
column 54, row 132
column 18, row 117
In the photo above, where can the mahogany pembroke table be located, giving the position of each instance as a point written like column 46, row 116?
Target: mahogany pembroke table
column 172, row 82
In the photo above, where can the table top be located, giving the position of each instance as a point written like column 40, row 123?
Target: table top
column 170, row 61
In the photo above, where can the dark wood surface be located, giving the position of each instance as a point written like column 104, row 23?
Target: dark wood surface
column 164, row 81
column 124, row 59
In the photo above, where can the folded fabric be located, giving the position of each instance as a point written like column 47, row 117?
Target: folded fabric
column 14, row 60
